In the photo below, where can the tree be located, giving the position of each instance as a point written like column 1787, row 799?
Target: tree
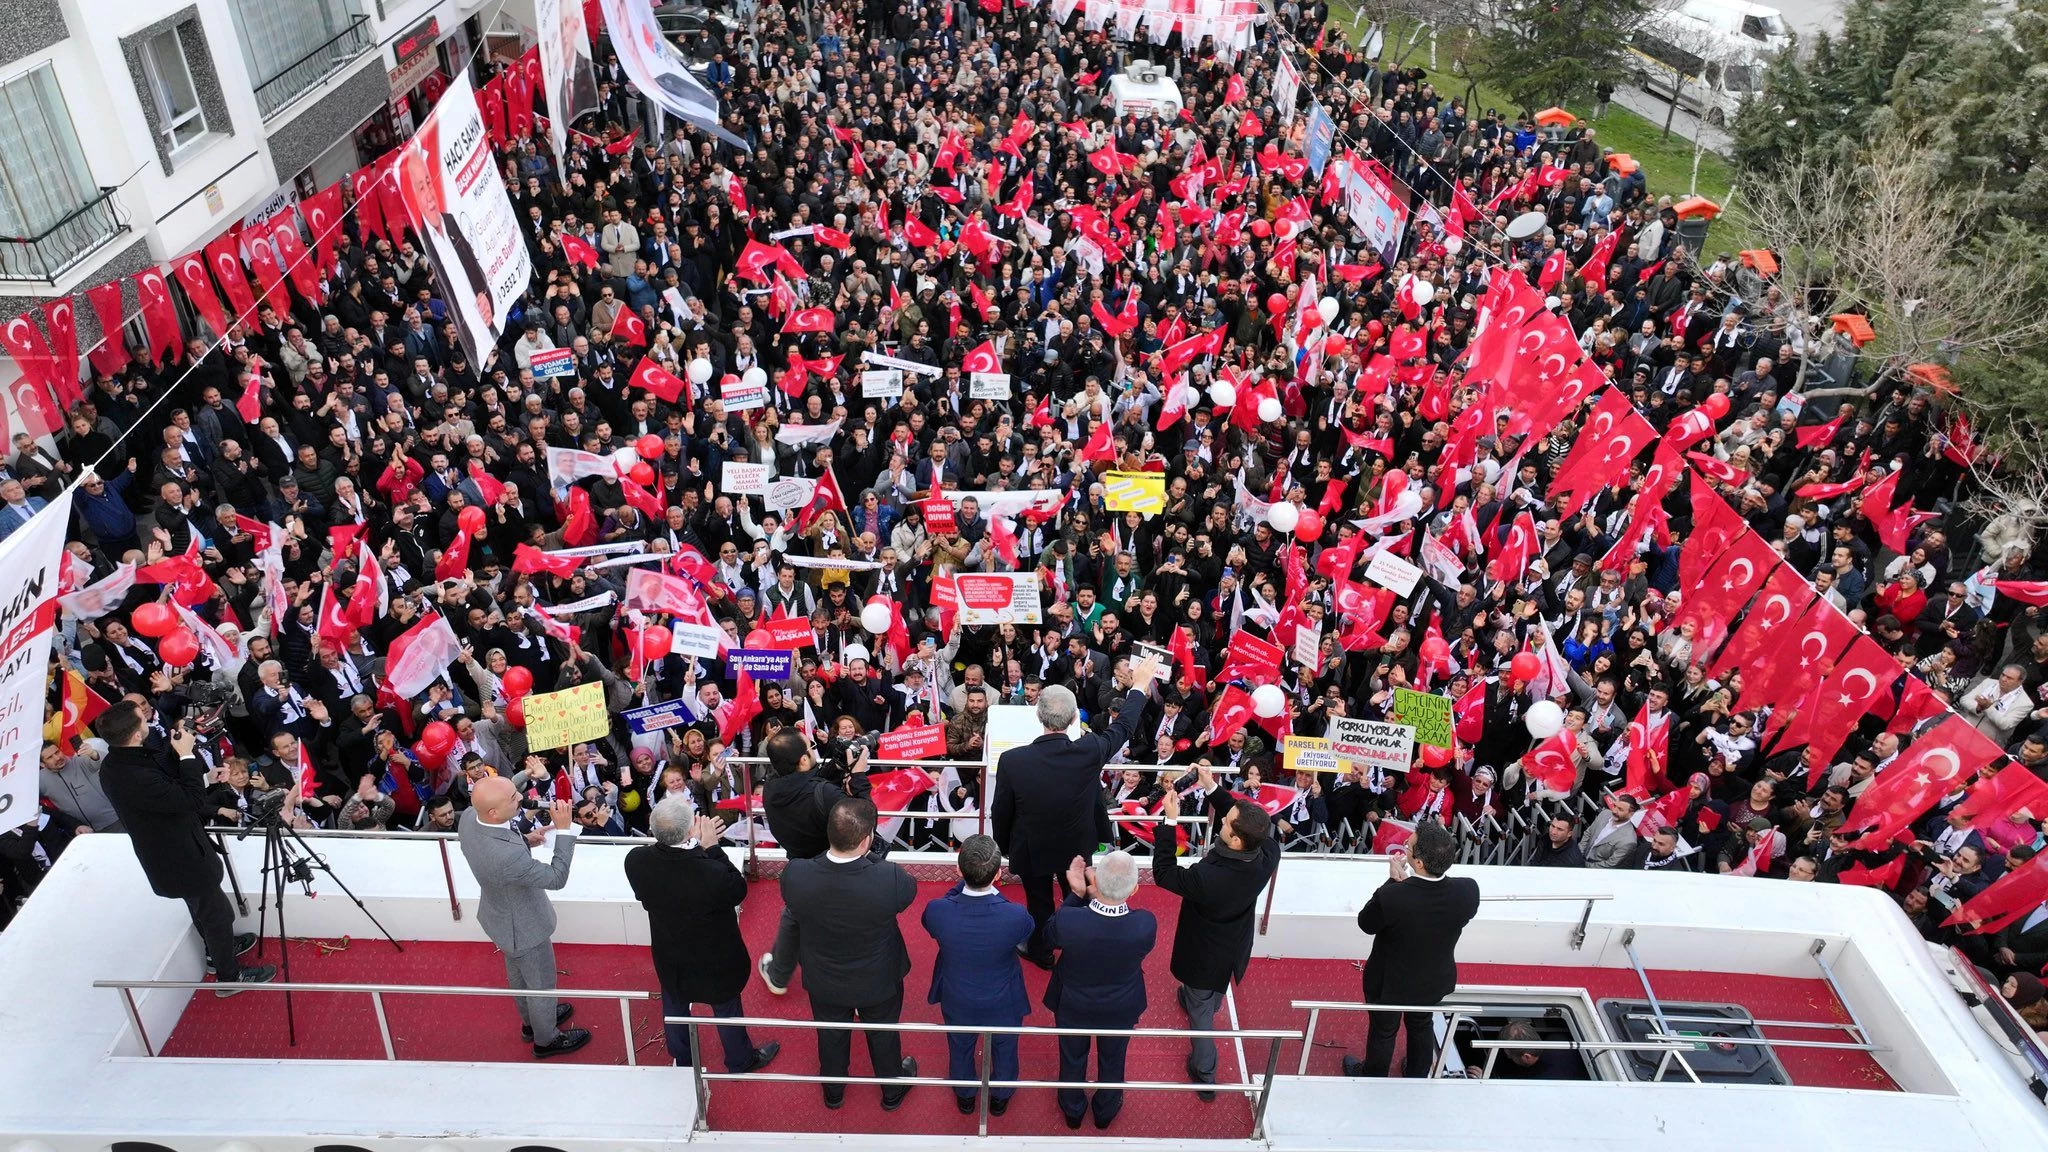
column 1546, row 52
column 1985, row 112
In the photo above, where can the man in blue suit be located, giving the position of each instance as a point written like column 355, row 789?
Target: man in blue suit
column 16, row 507
column 1099, row 980
column 977, row 978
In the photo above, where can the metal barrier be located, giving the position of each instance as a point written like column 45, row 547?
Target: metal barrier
column 376, row 992
column 1262, row 1091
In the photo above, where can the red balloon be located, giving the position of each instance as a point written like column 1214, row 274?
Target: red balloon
column 1276, row 303
column 1261, row 229
column 654, row 642
column 649, row 447
column 1715, row 406
column 1309, row 525
column 428, row 756
column 515, row 713
column 155, row 619
column 642, row 474
column 1434, row 650
column 517, row 681
column 1435, row 757
column 438, row 737
column 1373, row 328
column 470, row 519
column 1525, row 666
column 759, row 638
column 178, row 649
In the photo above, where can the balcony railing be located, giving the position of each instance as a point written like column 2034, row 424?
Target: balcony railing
column 47, row 255
column 309, row 70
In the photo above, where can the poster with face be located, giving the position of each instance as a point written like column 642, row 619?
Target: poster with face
column 658, row 71
column 455, row 200
column 565, row 68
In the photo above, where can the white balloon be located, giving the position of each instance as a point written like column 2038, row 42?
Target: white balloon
column 1408, row 504
column 1269, row 409
column 1453, row 245
column 875, row 617
column 755, row 377
column 1283, row 517
column 1543, row 719
column 1550, row 303
column 1224, row 393
column 1328, row 308
column 1189, row 396
column 1423, row 291
column 1268, row 701
column 700, row 370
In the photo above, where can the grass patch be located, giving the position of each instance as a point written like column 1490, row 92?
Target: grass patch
column 1667, row 163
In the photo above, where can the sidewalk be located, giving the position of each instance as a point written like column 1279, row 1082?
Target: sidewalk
column 1685, row 124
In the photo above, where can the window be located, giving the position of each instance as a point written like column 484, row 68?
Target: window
column 179, row 118
column 292, row 45
column 45, row 178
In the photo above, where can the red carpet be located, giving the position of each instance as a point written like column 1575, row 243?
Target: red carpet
column 343, row 1026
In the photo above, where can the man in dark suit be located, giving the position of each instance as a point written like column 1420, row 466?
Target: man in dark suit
column 1415, row 919
column 1048, row 805
column 1099, row 981
column 976, row 978
column 795, row 801
column 158, row 801
column 845, row 903
column 1219, row 906
column 692, row 895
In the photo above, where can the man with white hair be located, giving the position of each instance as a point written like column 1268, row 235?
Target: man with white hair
column 1048, row 806
column 1099, row 981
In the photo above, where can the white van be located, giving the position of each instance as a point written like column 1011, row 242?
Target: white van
column 1709, row 55
column 1144, row 91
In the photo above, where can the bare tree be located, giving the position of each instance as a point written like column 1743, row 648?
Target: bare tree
column 1882, row 235
column 2009, row 487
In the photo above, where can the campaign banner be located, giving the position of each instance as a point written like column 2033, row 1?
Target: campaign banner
column 1143, row 492
column 455, row 198
column 790, row 634
column 1308, row 754
column 31, row 568
column 738, row 397
column 1373, row 743
column 912, row 742
column 988, row 385
column 998, row 597
column 658, row 71
column 1308, row 647
column 659, row 717
column 737, row 479
column 761, row 663
column 882, row 384
column 939, row 518
column 567, row 76
column 1390, row 571
column 1428, row 713
column 1378, row 207
column 1322, row 137
column 573, row 715
column 901, row 365
column 1286, row 87
column 552, row 362
column 790, row 492
column 695, row 639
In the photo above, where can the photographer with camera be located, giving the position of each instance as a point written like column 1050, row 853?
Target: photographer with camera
column 158, row 799
column 803, row 785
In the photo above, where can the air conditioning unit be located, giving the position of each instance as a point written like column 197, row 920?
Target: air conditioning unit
column 1144, row 74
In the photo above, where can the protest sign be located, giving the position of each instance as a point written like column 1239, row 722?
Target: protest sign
column 761, row 663
column 789, row 492
column 939, row 519
column 552, row 362
column 1135, row 492
column 1309, row 754
column 1373, row 743
column 659, row 717
column 988, row 385
column 999, row 598
column 736, row 479
column 1390, row 571
column 790, row 634
column 557, row 719
column 695, row 639
column 913, row 742
column 1429, row 713
column 881, row 384
column 743, row 397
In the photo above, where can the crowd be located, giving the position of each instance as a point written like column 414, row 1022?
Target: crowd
column 1179, row 295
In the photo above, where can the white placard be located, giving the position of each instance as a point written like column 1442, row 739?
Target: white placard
column 741, row 398
column 1390, row 571
column 695, row 639
column 988, row 385
column 737, row 479
column 1373, row 743
column 882, row 384
column 876, row 358
column 1020, row 608
column 790, row 492
column 1308, row 647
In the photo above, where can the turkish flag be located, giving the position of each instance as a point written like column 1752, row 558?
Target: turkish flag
column 1337, row 561
column 756, row 259
column 1923, row 774
column 249, row 405
column 894, row 791
column 1715, row 526
column 1252, row 658
column 794, row 379
column 809, row 320
column 735, row 714
column 1828, row 491
column 334, row 622
column 1555, row 267
column 1468, row 714
column 1725, row 589
column 1550, row 765
column 1613, row 436
column 1516, row 551
column 2009, row 898
column 528, row 560
column 454, row 563
column 1098, row 446
column 577, row 250
column 833, row 237
column 323, row 213
column 916, row 234
column 1649, row 753
column 647, row 503
column 369, row 203
column 1019, row 204
column 224, row 258
column 110, row 355
column 2024, row 591
column 292, row 257
column 269, row 273
column 1182, row 649
column 1860, row 680
column 191, row 272
column 159, row 315
column 2002, row 795
column 1233, row 710
column 657, row 380
column 24, row 343
column 981, row 359
column 629, row 329
column 1916, row 703
column 1815, row 435
column 62, row 319
column 826, row 496
column 1782, row 600
column 1174, row 404
column 1793, row 663
column 579, row 523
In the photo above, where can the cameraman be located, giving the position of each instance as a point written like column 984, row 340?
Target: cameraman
column 803, row 785
column 158, row 799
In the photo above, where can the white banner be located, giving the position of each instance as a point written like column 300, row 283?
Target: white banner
column 455, row 197
column 842, row 564
column 882, row 384
column 999, row 598
column 1286, row 87
column 988, row 385
column 1390, row 571
column 738, row 479
column 566, row 73
column 31, row 568
column 696, row 639
column 658, row 71
column 880, row 360
column 587, row 604
column 801, row 434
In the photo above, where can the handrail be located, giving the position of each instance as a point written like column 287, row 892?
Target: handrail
column 70, row 238
column 985, row 1082
column 356, row 30
column 1493, row 1049
column 376, row 992
column 1316, row 1008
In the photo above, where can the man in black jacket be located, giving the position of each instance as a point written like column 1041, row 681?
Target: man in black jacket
column 1415, row 919
column 158, row 801
column 846, row 903
column 692, row 895
column 1048, row 805
column 796, row 801
column 1219, row 905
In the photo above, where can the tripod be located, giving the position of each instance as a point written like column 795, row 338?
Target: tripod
column 288, row 859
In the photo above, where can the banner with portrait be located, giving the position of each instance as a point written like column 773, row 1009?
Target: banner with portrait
column 1377, row 204
column 31, row 564
column 565, row 68
column 455, row 197
column 659, row 71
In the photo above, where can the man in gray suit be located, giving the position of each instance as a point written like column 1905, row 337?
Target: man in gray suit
column 514, row 908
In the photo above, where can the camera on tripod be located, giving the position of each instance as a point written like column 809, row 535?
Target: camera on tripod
column 266, row 810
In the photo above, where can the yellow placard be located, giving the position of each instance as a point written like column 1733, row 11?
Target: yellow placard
column 556, row 719
column 1308, row 754
column 1135, row 491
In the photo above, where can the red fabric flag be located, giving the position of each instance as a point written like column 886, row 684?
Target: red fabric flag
column 916, row 234
column 224, row 258
column 629, row 329
column 1019, row 204
column 269, row 273
column 1614, row 435
column 249, row 405
column 2008, row 899
column 1781, row 601
column 1860, row 680
column 24, row 343
column 1232, row 712
column 578, row 250
column 1098, row 446
column 981, row 359
column 1649, row 751
column 735, row 714
column 369, row 202
column 191, row 272
column 292, row 258
column 794, row 379
column 1182, row 651
column 334, row 623
column 2024, row 591
column 809, row 320
column 2003, row 795
column 657, row 380
column 1516, row 551
column 1816, row 435
column 1724, row 589
column 1792, row 663
column 1923, row 774
column 519, row 97
column 1468, row 714
column 61, row 318
column 1550, row 765
column 488, row 486
column 1253, row 658
column 454, row 563
column 1828, row 491
column 110, row 355
column 1715, row 526
column 825, row 497
column 1041, row 416
column 645, row 502
column 323, row 213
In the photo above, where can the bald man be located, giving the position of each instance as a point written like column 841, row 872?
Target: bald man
column 514, row 908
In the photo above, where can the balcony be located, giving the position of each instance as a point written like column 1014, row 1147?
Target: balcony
column 308, row 71
column 48, row 255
